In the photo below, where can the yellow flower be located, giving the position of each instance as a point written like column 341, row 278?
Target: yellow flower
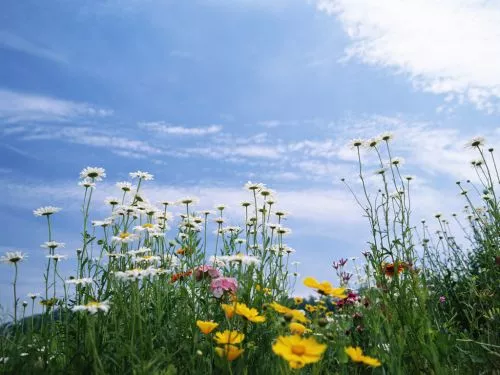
column 298, row 351
column 356, row 355
column 311, row 308
column 229, row 310
column 248, row 313
column 206, row 327
column 324, row 288
column 298, row 300
column 229, row 352
column 297, row 328
column 296, row 315
column 229, row 337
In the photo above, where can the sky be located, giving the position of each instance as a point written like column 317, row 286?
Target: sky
column 208, row 94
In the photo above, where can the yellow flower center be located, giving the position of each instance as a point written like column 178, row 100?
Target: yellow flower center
column 93, row 304
column 298, row 349
column 124, row 235
column 147, row 225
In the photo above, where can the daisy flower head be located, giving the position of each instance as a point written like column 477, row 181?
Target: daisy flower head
column 220, row 207
column 124, row 237
column 475, row 142
column 33, row 295
column 52, row 245
column 93, row 173
column 188, row 200
column 82, row 281
column 87, row 183
column 245, row 204
column 46, row 211
column 371, row 143
column 253, row 186
column 124, row 186
column 299, row 351
column 102, row 223
column 142, row 175
column 112, row 201
column 266, row 192
column 356, row 143
column 57, row 257
column 397, row 161
column 93, row 307
column 13, row 257
column 356, row 355
column 386, row 136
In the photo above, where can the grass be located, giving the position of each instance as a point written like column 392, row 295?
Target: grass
column 142, row 302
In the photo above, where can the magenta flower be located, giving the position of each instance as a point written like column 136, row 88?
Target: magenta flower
column 223, row 284
column 442, row 299
column 205, row 271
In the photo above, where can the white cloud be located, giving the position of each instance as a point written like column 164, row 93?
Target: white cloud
column 445, row 47
column 161, row 127
column 17, row 43
column 18, row 107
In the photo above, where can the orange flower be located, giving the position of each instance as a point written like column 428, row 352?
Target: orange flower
column 390, row 268
column 180, row 276
column 181, row 251
column 229, row 352
column 229, row 310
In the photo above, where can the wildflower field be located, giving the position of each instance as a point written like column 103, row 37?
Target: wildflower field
column 150, row 295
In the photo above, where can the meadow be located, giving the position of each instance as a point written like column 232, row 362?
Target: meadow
column 146, row 298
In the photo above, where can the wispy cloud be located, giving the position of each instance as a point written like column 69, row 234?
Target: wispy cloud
column 165, row 128
column 15, row 42
column 445, row 47
column 16, row 107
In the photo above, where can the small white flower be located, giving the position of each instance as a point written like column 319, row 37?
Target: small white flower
column 252, row 186
column 112, row 201
column 4, row 360
column 52, row 245
column 188, row 200
column 124, row 237
column 386, row 136
column 142, row 175
column 124, row 186
column 356, row 143
column 102, row 223
column 475, row 142
column 57, row 257
column 83, row 281
column 397, row 161
column 93, row 307
column 13, row 257
column 46, row 211
column 95, row 173
column 220, row 207
column 33, row 295
column 87, row 183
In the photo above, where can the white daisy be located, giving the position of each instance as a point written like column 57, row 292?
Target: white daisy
column 87, row 183
column 188, row 200
column 220, row 207
column 46, row 211
column 397, row 161
column 102, row 223
column 93, row 307
column 57, row 257
column 83, row 281
column 356, row 143
column 142, row 175
column 475, row 142
column 252, row 186
column 33, row 295
column 140, row 251
column 124, row 237
column 124, row 186
column 112, row 201
column 52, row 245
column 13, row 257
column 95, row 173
column 386, row 136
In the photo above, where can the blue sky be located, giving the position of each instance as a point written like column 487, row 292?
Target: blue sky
column 207, row 94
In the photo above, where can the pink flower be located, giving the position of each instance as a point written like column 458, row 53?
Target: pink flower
column 442, row 299
column 204, row 271
column 223, row 284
